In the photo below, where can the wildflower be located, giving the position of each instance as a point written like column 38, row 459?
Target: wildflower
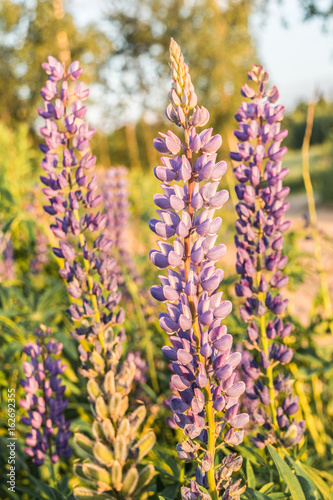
column 44, row 401
column 260, row 262
column 206, row 395
column 113, row 457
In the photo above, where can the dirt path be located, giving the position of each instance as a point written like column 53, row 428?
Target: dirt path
column 301, row 297
column 301, row 300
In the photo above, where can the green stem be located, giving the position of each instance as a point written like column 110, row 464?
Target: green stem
column 327, row 303
column 262, row 297
column 211, row 445
column 269, row 370
column 196, row 329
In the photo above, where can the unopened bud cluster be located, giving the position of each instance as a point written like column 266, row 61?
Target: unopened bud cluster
column 260, row 262
column 113, row 457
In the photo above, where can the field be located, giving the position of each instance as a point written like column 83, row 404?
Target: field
column 165, row 336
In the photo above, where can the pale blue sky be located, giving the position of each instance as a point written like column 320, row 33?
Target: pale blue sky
column 299, row 59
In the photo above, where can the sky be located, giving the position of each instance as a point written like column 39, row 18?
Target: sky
column 299, row 58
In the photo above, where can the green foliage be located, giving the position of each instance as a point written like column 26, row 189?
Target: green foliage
column 287, row 475
column 220, row 51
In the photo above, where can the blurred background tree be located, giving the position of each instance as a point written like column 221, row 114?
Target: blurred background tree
column 29, row 32
column 216, row 41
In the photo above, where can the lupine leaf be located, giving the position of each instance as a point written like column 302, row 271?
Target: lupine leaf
column 253, row 494
column 170, row 491
column 247, row 452
column 266, row 487
column 169, row 461
column 116, row 473
column 287, row 475
column 80, row 475
column 120, row 448
column 51, row 493
column 251, row 481
column 30, row 492
column 309, row 491
column 307, row 483
column 317, row 480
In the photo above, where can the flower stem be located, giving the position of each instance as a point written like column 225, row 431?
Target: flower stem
column 90, row 282
column 197, row 334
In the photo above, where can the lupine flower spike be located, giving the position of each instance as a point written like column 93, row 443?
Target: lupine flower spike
column 260, row 262
column 116, row 203
column 205, row 403
column 115, row 192
column 44, row 401
column 112, row 468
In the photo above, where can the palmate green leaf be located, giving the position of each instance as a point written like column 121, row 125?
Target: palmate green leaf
column 251, row 480
column 287, row 475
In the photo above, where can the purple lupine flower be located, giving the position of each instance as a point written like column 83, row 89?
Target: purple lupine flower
column 115, row 193
column 89, row 271
column 72, row 201
column 260, row 262
column 41, row 258
column 44, row 401
column 205, row 403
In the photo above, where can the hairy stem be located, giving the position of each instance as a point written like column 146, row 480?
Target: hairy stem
column 197, row 333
